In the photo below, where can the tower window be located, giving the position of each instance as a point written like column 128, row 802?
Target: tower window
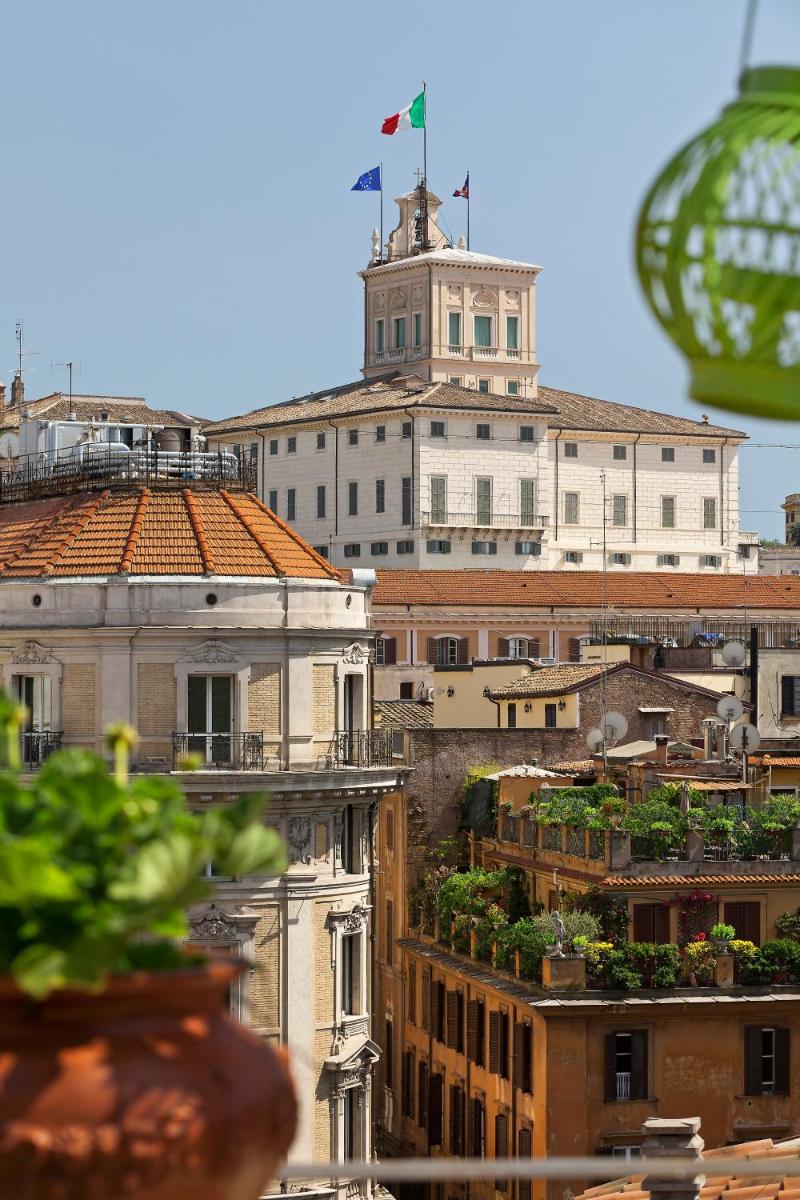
column 399, row 333
column 483, row 432
column 512, row 387
column 570, row 449
column 352, row 437
column 417, row 329
column 273, row 446
column 320, row 441
column 484, row 385
column 380, row 337
column 291, row 445
column 454, row 330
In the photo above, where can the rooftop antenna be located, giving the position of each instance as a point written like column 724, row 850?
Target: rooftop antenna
column 22, row 354
column 71, row 366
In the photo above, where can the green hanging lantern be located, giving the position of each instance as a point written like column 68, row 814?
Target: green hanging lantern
column 718, row 250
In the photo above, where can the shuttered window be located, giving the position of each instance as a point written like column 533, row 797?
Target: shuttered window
column 411, row 998
column 477, row 1128
column 388, row 1056
column 426, row 999
column 455, row 1021
column 501, row 1146
column 406, row 496
column 650, row 923
column 626, row 1066
column 528, row 501
column 476, row 1032
column 767, row 1058
column 390, row 932
column 525, row 1149
column 448, row 651
column 458, row 1114
column 407, row 1084
column 483, row 501
column 422, row 1095
column 435, row 1109
column 498, row 1044
column 745, row 917
column 385, row 652
column 523, row 1056
column 438, row 499
column 438, row 1002
column 790, row 696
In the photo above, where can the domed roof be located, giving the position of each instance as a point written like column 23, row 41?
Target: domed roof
column 143, row 531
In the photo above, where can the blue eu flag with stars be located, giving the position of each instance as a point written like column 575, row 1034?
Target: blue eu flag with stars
column 370, row 181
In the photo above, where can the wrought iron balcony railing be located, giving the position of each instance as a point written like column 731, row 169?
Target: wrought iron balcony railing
column 36, row 746
column 361, row 748
column 220, row 751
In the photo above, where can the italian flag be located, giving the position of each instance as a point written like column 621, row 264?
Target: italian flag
column 410, row 117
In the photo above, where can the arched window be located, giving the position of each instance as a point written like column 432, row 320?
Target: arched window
column 385, row 652
column 447, row 651
column 519, row 647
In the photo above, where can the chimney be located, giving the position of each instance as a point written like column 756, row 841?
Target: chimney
column 2, row 395
column 676, row 1139
column 661, row 740
column 708, row 725
column 17, row 391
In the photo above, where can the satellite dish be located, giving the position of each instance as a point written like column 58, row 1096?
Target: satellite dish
column 745, row 737
column 734, row 654
column 730, row 708
column 616, row 726
column 594, row 740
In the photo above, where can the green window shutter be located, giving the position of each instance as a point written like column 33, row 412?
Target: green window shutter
column 483, row 331
column 528, row 501
column 512, row 333
column 454, row 329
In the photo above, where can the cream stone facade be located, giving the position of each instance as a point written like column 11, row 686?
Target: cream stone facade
column 281, row 660
column 450, row 454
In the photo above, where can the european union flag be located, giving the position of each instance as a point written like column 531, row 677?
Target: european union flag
column 370, row 181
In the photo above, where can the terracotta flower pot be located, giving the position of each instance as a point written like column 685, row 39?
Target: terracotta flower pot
column 145, row 1091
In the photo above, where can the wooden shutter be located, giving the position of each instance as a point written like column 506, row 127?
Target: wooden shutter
column 504, row 1044
column 527, row 1057
column 639, row 1087
column 462, row 650
column 745, row 916
column 390, row 932
column 408, row 1084
column 783, row 1049
column 412, row 993
column 422, row 1095
column 533, row 647
column 501, row 1146
column 610, row 1067
column 518, row 1056
column 472, row 1031
column 574, row 650
column 388, row 1056
column 435, row 1107
column 650, row 923
column 753, row 1085
column 433, row 647
column 460, row 1021
column 436, row 1015
column 525, row 1144
column 476, row 1143
column 389, row 651
column 494, row 1042
column 457, row 1119
column 503, row 648
column 480, row 1053
column 426, row 999
column 452, row 1019
column 787, row 696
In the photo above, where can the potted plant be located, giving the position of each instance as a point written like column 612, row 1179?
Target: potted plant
column 120, row 1073
column 614, row 807
column 722, row 935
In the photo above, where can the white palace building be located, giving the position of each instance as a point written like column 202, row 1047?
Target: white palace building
column 447, row 453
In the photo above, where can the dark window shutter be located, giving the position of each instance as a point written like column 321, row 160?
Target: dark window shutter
column 745, row 916
column 610, row 1067
column 412, row 993
column 452, row 1019
column 501, row 1146
column 660, row 924
column 476, row 1141
column 494, row 1042
column 782, row 1062
column 639, row 1065
column 519, row 1055
column 435, row 1105
column 527, row 1058
column 453, row 1120
column 462, row 651
column 504, row 1045
column 472, row 1031
column 436, row 1010
column 389, row 651
column 422, row 1096
column 787, row 695
column 432, row 651
column 753, row 1085
column 525, row 1149
column 574, row 650
column 460, row 1021
column 642, row 922
column 502, row 648
column 533, row 647
column 480, row 1056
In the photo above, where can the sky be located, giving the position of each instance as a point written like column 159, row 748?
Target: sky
column 177, row 213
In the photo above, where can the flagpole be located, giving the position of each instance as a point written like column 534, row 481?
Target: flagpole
column 424, row 196
column 469, row 189
column 380, row 248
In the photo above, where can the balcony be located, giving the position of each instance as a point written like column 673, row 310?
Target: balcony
column 361, row 748
column 455, row 351
column 484, row 351
column 623, row 1085
column 221, row 751
column 36, row 747
column 485, row 520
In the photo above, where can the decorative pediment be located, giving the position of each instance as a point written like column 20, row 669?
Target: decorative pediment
column 353, row 1068
column 219, row 925
column 351, row 920
column 486, row 298
column 212, row 652
column 355, row 655
column 31, row 654
column 398, row 299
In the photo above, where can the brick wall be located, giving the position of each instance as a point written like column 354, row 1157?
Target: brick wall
column 324, row 684
column 156, row 711
column 264, row 698
column 264, row 984
column 322, row 963
column 441, row 758
column 78, row 711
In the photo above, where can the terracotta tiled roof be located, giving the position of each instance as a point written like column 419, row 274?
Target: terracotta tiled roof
column 584, row 766
column 728, row 1186
column 391, row 392
column 549, row 681
column 404, row 714
column 152, row 532
column 587, row 412
column 634, row 882
column 569, row 589
column 776, row 760
column 132, row 409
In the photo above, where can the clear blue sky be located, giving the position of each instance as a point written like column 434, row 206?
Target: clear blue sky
column 176, row 204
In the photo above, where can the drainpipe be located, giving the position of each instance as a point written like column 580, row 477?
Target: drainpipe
column 635, row 444
column 557, row 439
column 413, row 471
column 722, row 491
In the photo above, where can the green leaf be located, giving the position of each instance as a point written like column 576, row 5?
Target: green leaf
column 162, row 871
column 254, row 850
column 28, row 875
column 38, row 969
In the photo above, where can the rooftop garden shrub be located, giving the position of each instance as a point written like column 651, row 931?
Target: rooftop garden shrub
column 787, row 925
column 578, row 806
column 526, row 938
column 700, row 958
column 610, row 912
column 722, row 932
column 576, row 924
column 469, row 892
column 97, row 870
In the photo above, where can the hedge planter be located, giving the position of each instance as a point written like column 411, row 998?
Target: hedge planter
column 147, row 1090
